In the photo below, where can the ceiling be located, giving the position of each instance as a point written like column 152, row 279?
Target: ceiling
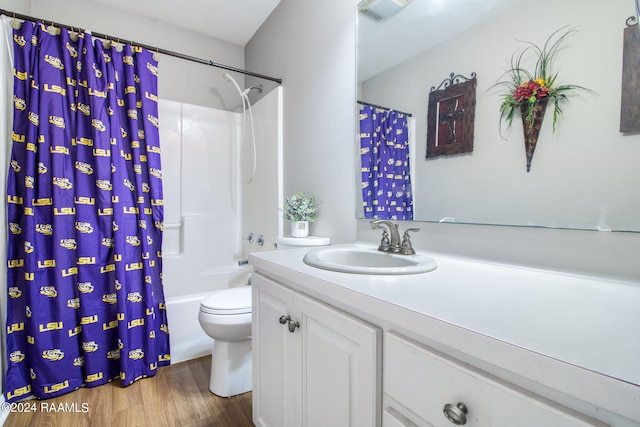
column 234, row 21
column 421, row 25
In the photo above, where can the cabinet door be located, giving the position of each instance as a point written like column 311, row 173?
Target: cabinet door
column 418, row 383
column 341, row 367
column 272, row 360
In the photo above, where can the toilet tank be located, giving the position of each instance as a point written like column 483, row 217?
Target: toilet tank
column 301, row 242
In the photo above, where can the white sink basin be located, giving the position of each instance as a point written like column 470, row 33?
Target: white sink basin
column 362, row 260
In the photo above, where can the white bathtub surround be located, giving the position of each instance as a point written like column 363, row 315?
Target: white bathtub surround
column 204, row 208
column 558, row 339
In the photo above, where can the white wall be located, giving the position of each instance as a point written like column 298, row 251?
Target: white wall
column 311, row 46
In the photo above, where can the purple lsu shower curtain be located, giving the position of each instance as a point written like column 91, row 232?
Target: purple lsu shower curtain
column 85, row 212
column 384, row 156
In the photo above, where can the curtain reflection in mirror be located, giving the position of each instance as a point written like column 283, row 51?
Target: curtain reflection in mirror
column 385, row 163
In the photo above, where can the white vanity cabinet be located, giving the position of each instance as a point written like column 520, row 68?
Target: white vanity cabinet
column 420, row 385
column 313, row 365
column 517, row 347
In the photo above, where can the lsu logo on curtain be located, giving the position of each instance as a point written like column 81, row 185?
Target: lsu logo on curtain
column 110, row 298
column 85, row 168
column 63, row 183
column 14, row 228
column 14, row 292
column 152, row 68
column 57, row 387
column 133, row 240
column 134, row 297
column 19, row 103
column 104, row 184
column 85, row 287
column 55, row 62
column 53, row 354
column 97, row 124
column 108, row 242
column 90, row 346
column 16, row 356
column 46, row 229
column 49, row 291
column 84, row 109
column 136, row 354
column 84, row 227
column 20, row 40
column 72, row 50
column 69, row 244
column 57, row 121
column 153, row 120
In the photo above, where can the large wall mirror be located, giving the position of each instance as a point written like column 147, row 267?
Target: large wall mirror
column 585, row 175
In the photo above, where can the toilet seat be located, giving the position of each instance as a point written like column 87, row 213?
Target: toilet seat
column 228, row 301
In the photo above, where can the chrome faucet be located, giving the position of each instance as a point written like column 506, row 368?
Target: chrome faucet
column 391, row 241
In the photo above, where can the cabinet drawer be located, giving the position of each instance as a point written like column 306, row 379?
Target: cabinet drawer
column 422, row 382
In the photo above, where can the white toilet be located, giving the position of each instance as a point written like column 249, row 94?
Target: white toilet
column 225, row 316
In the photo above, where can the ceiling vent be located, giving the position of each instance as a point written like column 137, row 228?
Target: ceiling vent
column 381, row 9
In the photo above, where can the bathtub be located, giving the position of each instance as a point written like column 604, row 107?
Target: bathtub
column 187, row 339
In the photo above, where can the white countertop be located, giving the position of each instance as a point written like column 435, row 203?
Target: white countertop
column 590, row 323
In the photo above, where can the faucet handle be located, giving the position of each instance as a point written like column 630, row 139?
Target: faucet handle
column 385, row 243
column 406, row 248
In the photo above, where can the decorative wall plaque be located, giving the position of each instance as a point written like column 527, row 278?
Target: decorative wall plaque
column 451, row 115
column 629, row 106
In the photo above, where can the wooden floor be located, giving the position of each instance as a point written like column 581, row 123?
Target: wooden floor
column 177, row 396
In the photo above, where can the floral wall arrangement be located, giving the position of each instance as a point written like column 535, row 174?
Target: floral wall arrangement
column 529, row 92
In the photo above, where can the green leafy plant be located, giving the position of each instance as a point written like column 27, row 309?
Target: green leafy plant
column 299, row 207
column 525, row 88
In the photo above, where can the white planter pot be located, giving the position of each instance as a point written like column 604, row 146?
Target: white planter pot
column 299, row 228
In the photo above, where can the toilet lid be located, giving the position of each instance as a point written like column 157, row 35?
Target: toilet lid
column 228, row 301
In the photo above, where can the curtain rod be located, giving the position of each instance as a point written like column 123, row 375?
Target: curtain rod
column 150, row 48
column 384, row 108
